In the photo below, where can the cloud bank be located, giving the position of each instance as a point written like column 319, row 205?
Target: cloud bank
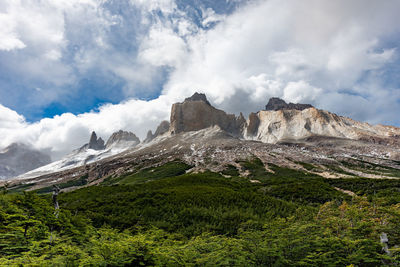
column 338, row 55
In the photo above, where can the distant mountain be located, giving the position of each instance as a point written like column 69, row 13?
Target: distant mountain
column 276, row 103
column 282, row 122
column 93, row 151
column 18, row 158
column 161, row 129
column 279, row 122
column 122, row 139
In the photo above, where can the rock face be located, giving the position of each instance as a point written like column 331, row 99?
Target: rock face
column 270, row 126
column 196, row 113
column 253, row 124
column 19, row 158
column 96, row 143
column 149, row 137
column 198, row 97
column 276, row 103
column 122, row 139
column 161, row 129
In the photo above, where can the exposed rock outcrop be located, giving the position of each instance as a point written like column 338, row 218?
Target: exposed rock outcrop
column 122, row 139
column 149, row 137
column 253, row 124
column 19, row 158
column 295, row 124
column 196, row 113
column 96, row 143
column 161, row 129
column 198, row 97
column 276, row 103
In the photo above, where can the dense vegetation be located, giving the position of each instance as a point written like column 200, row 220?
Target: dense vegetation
column 165, row 216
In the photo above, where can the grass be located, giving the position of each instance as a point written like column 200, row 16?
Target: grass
column 307, row 166
column 290, row 184
column 19, row 188
column 231, row 171
column 170, row 169
column 278, row 175
column 83, row 180
column 373, row 168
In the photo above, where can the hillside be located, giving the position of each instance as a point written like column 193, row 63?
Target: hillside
column 211, row 188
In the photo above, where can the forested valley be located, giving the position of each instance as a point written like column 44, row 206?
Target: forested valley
column 163, row 216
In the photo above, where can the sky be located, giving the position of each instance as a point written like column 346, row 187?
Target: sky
column 69, row 67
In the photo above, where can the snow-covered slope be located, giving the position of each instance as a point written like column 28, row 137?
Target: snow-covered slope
column 79, row 158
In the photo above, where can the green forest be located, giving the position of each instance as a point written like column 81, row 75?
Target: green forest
column 163, row 216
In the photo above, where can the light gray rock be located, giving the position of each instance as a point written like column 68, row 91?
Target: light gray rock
column 122, row 138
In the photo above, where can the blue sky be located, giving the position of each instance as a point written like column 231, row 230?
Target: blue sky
column 72, row 66
column 119, row 24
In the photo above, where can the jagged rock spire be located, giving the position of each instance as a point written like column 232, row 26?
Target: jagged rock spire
column 96, row 143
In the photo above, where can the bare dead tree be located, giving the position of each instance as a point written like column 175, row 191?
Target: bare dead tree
column 56, row 191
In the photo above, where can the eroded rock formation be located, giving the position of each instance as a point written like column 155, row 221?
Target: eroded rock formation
column 196, row 113
column 122, row 138
column 96, row 143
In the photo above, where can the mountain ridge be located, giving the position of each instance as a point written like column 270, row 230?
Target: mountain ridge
column 196, row 120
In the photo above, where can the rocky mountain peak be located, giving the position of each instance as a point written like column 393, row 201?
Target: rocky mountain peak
column 196, row 113
column 96, row 143
column 276, row 103
column 198, row 97
column 149, row 137
column 122, row 138
column 161, row 129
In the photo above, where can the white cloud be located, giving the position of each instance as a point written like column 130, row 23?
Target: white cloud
column 9, row 119
column 165, row 6
column 63, row 133
column 162, row 47
column 8, row 37
column 288, row 49
column 210, row 17
column 300, row 91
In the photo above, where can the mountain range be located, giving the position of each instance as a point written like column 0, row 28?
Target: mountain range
column 284, row 134
column 19, row 158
